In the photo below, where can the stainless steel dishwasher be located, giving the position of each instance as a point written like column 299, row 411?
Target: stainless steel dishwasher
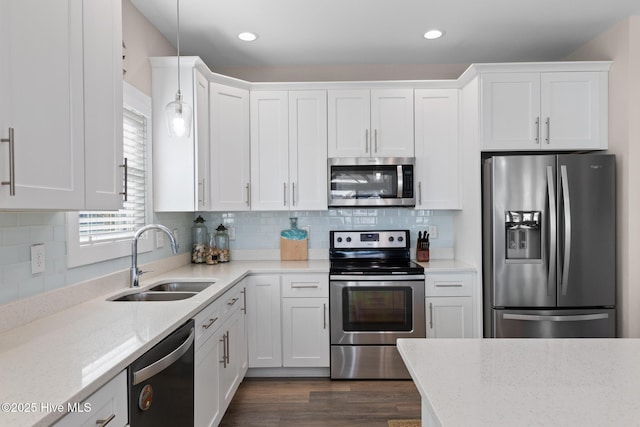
column 161, row 382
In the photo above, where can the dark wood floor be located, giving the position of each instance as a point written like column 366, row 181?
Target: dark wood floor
column 321, row 402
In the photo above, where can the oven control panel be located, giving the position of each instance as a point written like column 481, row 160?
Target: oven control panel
column 370, row 239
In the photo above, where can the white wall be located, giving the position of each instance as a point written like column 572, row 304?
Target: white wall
column 621, row 44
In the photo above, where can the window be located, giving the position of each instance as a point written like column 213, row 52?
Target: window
column 95, row 236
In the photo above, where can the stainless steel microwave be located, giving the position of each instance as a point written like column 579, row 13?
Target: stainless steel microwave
column 371, row 181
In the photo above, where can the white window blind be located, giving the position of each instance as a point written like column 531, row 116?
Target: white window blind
column 105, row 226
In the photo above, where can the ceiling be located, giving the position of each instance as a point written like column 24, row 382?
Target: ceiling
column 340, row 32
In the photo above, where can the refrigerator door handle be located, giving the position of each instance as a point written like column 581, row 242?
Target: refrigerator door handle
column 569, row 318
column 567, row 229
column 551, row 188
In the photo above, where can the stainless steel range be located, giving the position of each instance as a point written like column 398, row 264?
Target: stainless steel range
column 376, row 295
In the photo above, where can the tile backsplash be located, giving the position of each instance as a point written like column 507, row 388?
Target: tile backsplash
column 253, row 231
column 261, row 230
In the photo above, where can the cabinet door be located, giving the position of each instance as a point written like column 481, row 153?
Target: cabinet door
column 449, row 317
column 206, row 381
column 269, row 150
column 391, row 133
column 308, row 150
column 263, row 321
column 230, row 371
column 573, row 110
column 103, row 104
column 203, row 152
column 510, row 111
column 349, row 121
column 230, row 148
column 437, row 149
column 43, row 104
column 305, row 332
column 109, row 401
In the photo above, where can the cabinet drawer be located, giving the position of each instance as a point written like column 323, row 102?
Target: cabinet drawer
column 208, row 321
column 233, row 300
column 305, row 285
column 449, row 284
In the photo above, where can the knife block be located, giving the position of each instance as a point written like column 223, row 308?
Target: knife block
column 422, row 255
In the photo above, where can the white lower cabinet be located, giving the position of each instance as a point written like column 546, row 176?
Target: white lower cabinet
column 108, row 405
column 288, row 321
column 449, row 304
column 220, row 355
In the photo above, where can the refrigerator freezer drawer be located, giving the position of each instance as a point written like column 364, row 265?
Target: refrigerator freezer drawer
column 599, row 323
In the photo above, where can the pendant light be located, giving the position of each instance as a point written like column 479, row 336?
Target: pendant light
column 179, row 113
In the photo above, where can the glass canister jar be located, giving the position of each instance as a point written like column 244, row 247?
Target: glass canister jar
column 199, row 238
column 222, row 243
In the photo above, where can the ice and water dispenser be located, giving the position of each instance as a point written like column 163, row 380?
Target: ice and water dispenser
column 523, row 231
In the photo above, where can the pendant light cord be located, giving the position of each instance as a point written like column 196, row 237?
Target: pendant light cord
column 178, row 44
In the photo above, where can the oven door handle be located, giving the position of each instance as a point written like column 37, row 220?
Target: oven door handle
column 162, row 364
column 378, row 278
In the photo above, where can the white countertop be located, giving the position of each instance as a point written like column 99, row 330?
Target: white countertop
column 65, row 357
column 518, row 382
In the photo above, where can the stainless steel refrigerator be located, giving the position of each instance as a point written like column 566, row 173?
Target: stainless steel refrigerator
column 549, row 246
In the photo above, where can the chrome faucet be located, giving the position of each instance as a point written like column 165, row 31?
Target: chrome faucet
column 135, row 272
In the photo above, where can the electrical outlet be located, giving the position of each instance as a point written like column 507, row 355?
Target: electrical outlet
column 308, row 228
column 231, row 231
column 176, row 235
column 433, row 232
column 37, row 258
column 159, row 239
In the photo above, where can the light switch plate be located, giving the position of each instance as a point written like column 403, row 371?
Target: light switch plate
column 37, row 258
column 433, row 232
column 159, row 239
column 231, row 231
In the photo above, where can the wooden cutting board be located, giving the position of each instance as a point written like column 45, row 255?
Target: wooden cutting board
column 293, row 250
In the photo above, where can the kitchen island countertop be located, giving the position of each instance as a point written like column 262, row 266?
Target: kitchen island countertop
column 518, row 382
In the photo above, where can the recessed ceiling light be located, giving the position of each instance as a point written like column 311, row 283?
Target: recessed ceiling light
column 433, row 34
column 247, row 37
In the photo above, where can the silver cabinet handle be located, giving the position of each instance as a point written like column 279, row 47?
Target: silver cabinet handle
column 548, row 123
column 293, row 194
column 12, row 163
column 375, row 139
column 232, row 302
column 294, row 286
column 160, row 365
column 551, row 188
column 244, row 296
column 567, row 228
column 228, row 355
column 103, row 423
column 419, row 192
column 430, row 315
column 201, row 184
column 324, row 315
column 224, row 350
column 538, row 130
column 125, row 167
column 366, row 140
column 284, row 193
column 211, row 322
column 246, row 187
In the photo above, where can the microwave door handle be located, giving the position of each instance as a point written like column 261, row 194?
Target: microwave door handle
column 400, row 181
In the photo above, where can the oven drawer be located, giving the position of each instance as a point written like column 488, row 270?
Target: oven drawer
column 449, row 284
column 305, row 285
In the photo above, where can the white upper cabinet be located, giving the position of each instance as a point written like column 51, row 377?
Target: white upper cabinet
column 370, row 123
column 64, row 112
column 228, row 187
column 288, row 150
column 437, row 171
column 544, row 111
column 176, row 160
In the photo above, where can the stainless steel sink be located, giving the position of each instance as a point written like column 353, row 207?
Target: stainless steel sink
column 155, row 296
column 179, row 286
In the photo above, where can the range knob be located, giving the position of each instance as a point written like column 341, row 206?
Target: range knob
column 391, row 238
column 400, row 238
column 339, row 239
column 348, row 239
